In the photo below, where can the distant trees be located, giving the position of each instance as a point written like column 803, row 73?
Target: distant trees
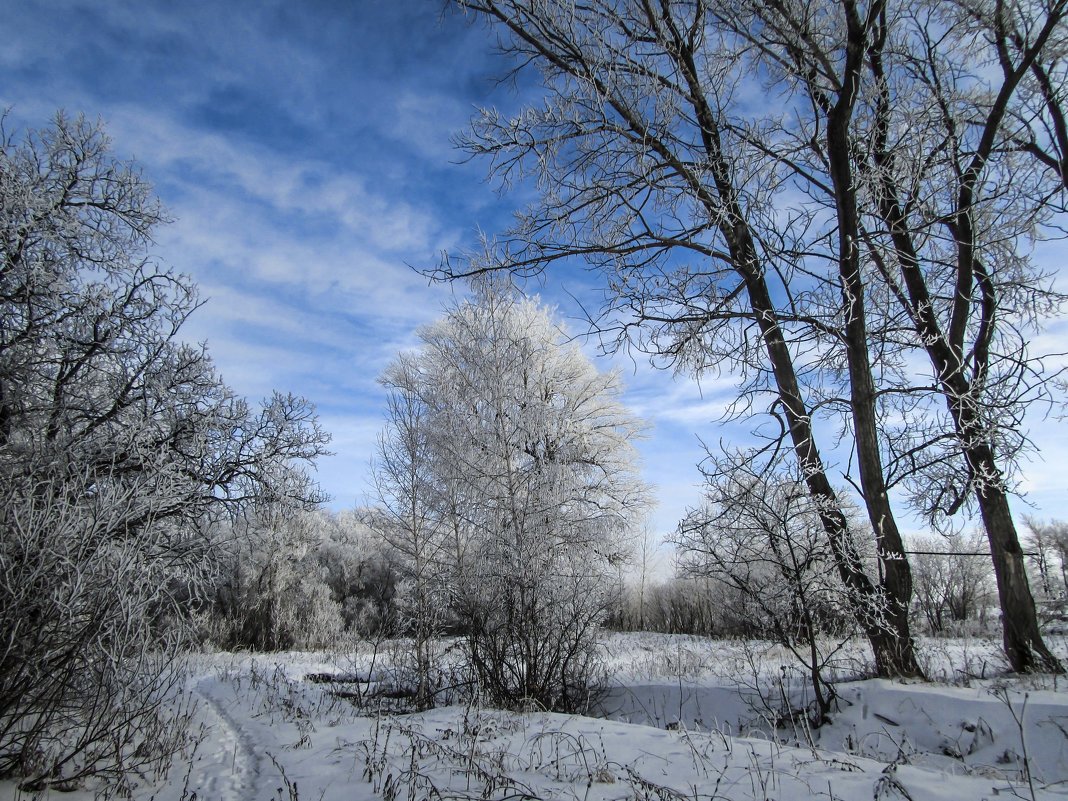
column 679, row 603
column 509, row 472
column 954, row 583
column 271, row 591
column 868, row 204
column 287, row 578
column 1047, row 546
column 119, row 445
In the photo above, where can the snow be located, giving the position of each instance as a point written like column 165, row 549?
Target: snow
column 685, row 718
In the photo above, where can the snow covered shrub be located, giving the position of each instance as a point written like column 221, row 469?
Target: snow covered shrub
column 533, row 619
column 87, row 659
column 274, row 595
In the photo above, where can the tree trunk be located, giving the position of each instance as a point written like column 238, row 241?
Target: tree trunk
column 1019, row 620
column 895, row 636
column 884, row 621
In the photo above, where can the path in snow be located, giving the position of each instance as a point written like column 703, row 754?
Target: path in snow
column 227, row 766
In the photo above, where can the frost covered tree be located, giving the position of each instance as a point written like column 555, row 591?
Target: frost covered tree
column 118, row 446
column 273, row 592
column 643, row 175
column 935, row 133
column 953, row 580
column 413, row 519
column 361, row 570
column 837, row 201
column 758, row 533
column 528, row 482
column 1047, row 544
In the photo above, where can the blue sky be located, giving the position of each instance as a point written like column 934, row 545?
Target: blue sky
column 304, row 150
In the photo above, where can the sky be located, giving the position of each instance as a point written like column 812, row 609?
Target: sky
column 304, row 150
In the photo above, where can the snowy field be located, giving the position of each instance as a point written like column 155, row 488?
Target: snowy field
column 685, row 718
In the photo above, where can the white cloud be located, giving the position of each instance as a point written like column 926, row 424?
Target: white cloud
column 427, row 121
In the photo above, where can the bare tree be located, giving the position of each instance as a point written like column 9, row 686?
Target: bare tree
column 758, row 532
column 921, row 155
column 118, row 444
column 953, row 579
column 413, row 517
column 645, row 176
column 1047, row 545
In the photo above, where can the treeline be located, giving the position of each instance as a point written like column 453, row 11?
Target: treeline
column 954, row 592
column 321, row 578
column 304, row 580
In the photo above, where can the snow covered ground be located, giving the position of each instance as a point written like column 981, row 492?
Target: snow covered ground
column 686, row 718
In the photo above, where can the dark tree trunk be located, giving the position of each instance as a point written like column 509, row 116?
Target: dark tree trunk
column 894, row 635
column 1026, row 650
column 884, row 622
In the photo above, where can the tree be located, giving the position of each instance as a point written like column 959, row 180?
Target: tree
column 118, row 446
column 644, row 175
column 533, row 440
column 941, row 174
column 410, row 517
column 361, row 570
column 1047, row 545
column 878, row 210
column 952, row 580
column 758, row 532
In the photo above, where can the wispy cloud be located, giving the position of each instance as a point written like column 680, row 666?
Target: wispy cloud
column 304, row 149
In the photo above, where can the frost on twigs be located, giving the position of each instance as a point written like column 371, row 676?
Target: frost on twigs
column 508, row 488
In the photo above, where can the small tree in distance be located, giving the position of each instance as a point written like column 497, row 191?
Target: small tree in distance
column 758, row 533
column 953, row 580
column 1047, row 547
